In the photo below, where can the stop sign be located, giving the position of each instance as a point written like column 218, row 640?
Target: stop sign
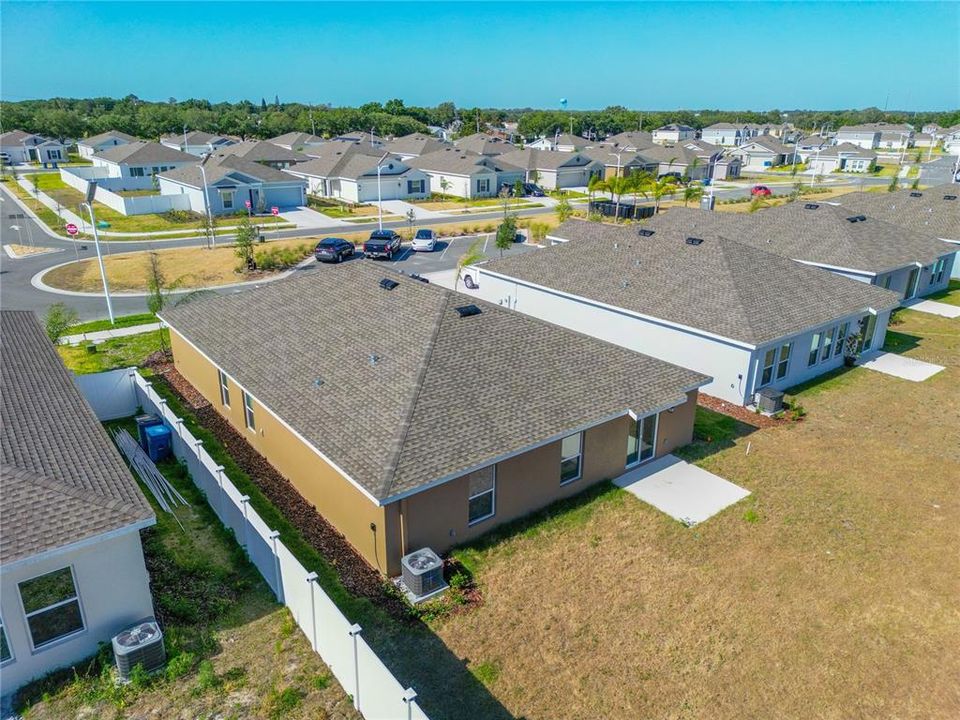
column 275, row 210
column 72, row 229
column 247, row 203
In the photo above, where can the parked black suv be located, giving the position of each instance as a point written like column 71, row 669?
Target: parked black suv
column 382, row 243
column 333, row 249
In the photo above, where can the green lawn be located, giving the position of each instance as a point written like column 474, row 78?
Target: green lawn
column 120, row 321
column 951, row 295
column 114, row 353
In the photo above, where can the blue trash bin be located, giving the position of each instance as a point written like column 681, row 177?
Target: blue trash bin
column 158, row 442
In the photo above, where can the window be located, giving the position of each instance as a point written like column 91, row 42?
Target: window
column 483, row 185
column 641, row 440
column 51, row 606
column 5, row 653
column 868, row 324
column 814, row 349
column 414, row 187
column 769, row 360
column 481, row 500
column 887, row 280
column 570, row 451
column 54, row 154
column 226, row 196
column 136, row 172
column 248, row 411
column 828, row 344
column 842, row 333
column 224, row 388
column 936, row 273
column 784, row 363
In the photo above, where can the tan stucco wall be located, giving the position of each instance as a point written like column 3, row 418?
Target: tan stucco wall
column 340, row 502
column 437, row 518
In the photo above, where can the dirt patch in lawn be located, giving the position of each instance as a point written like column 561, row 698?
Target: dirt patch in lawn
column 739, row 412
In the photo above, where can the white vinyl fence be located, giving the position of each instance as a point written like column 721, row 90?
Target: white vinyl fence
column 376, row 692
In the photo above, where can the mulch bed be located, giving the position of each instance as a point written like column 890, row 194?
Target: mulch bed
column 357, row 576
column 739, row 412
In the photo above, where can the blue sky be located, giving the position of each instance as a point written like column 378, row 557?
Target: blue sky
column 742, row 55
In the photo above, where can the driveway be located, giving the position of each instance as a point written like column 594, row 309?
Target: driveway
column 401, row 208
column 683, row 491
column 307, row 218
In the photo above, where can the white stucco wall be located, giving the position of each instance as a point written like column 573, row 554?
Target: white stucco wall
column 113, row 586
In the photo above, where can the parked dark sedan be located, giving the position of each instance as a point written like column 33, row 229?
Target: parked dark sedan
column 333, row 250
column 533, row 190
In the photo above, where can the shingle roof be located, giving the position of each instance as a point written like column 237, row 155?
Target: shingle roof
column 62, row 479
column 330, row 159
column 721, row 286
column 571, row 140
column 141, row 151
column 446, row 394
column 769, row 143
column 926, row 212
column 637, row 139
column 532, row 159
column 821, row 235
column 458, row 161
column 14, row 137
column 484, row 144
column 195, row 137
column 847, row 150
column 220, row 165
column 263, row 151
column 416, row 144
column 96, row 139
column 296, row 139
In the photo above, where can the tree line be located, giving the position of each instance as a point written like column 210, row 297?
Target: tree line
column 77, row 118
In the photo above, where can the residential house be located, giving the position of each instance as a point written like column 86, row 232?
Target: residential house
column 951, row 140
column 679, row 160
column 554, row 170
column 809, row 145
column 415, row 145
column 364, row 138
column 896, row 140
column 932, row 129
column 721, row 164
column 934, row 211
column 673, row 134
column 88, row 147
column 299, row 141
column 870, row 136
column 197, row 142
column 138, row 162
column 685, row 294
column 431, row 431
column 17, row 146
column 72, row 573
column 484, row 144
column 834, row 238
column 231, row 183
column 730, row 134
column 925, row 140
column 845, row 157
column 619, row 161
column 265, row 153
column 454, row 171
column 561, row 142
column 762, row 153
column 631, row 140
column 350, row 174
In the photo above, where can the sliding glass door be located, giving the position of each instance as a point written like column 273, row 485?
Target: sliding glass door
column 641, row 440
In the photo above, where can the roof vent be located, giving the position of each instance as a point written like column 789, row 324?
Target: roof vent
column 916, row 194
column 374, row 359
column 811, row 206
column 468, row 310
column 624, row 284
column 949, row 197
column 694, row 241
column 388, row 284
column 645, row 232
column 318, row 382
column 857, row 218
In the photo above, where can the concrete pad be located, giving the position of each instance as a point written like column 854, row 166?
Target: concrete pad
column 304, row 218
column 900, row 366
column 683, row 491
column 935, row 308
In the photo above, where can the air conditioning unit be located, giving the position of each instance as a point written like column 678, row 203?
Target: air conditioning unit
column 422, row 573
column 143, row 644
column 770, row 401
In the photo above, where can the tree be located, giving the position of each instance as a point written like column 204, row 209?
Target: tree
column 473, row 255
column 246, row 236
column 660, row 188
column 638, row 182
column 563, row 209
column 156, row 282
column 534, row 176
column 595, row 184
column 693, row 191
column 616, row 186
column 506, row 234
column 58, row 319
column 444, row 185
column 411, row 218
column 518, row 188
column 894, row 184
column 208, row 224
column 35, row 181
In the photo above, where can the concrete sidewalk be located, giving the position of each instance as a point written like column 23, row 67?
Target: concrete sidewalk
column 900, row 366
column 101, row 335
column 935, row 308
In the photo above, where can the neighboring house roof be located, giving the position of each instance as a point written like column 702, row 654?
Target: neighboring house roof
column 566, row 139
column 813, row 141
column 221, row 165
column 296, row 139
column 263, row 151
column 457, row 161
column 672, row 154
column 725, row 126
column 196, row 137
column 765, row 143
column 394, row 403
column 484, row 144
column 532, row 159
column 636, row 139
column 674, row 127
column 820, row 233
column 329, row 159
column 608, row 154
column 142, row 152
column 875, row 128
column 95, row 140
column 416, row 144
column 15, row 137
column 63, row 480
column 927, row 212
column 361, row 137
column 721, row 286
column 846, row 149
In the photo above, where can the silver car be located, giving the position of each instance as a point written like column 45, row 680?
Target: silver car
column 424, row 241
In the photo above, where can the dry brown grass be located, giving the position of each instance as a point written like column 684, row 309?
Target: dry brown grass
column 831, row 592
column 196, row 267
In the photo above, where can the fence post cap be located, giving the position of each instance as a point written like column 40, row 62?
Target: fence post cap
column 274, row 534
column 162, row 401
column 198, row 442
column 245, row 498
column 409, row 695
column 311, row 577
column 179, row 421
column 219, row 468
column 355, row 630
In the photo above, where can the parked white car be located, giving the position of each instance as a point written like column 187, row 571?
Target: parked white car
column 424, row 241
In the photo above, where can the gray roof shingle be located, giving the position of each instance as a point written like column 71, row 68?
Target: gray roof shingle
column 926, row 212
column 143, row 152
column 446, row 394
column 62, row 479
column 721, row 286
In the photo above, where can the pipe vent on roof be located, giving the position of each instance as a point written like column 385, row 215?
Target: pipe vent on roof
column 694, row 241
column 373, row 359
column 388, row 284
column 949, row 197
column 916, row 194
column 468, row 310
column 645, row 232
column 857, row 218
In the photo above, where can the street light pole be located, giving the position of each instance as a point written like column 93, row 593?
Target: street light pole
column 91, row 192
column 212, row 236
column 379, row 195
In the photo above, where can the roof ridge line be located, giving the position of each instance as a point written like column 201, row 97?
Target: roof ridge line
column 408, row 415
column 734, row 274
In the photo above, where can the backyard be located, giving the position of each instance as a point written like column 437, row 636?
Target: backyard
column 232, row 651
column 839, row 570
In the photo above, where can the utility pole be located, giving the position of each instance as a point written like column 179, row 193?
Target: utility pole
column 91, row 192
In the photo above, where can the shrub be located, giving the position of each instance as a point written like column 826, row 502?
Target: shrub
column 180, row 216
column 59, row 317
column 180, row 665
